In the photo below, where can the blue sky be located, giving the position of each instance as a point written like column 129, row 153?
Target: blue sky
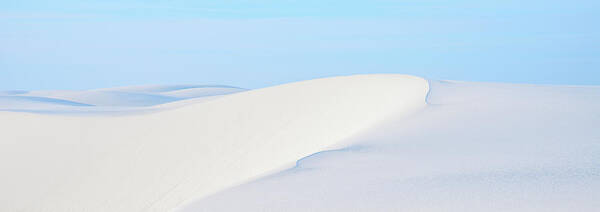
column 67, row 44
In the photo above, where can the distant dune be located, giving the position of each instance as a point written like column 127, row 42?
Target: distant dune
column 109, row 100
column 35, row 102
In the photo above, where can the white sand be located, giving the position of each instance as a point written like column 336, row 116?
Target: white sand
column 359, row 143
column 474, row 147
column 159, row 161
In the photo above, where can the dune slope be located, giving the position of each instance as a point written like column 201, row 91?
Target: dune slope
column 474, row 147
column 159, row 161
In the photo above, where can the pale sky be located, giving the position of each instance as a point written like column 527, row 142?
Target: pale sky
column 66, row 44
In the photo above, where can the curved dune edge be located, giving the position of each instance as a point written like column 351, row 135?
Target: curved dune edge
column 474, row 147
column 156, row 162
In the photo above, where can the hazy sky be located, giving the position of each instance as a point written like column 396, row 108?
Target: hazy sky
column 68, row 44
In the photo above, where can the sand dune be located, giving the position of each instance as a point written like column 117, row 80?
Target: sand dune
column 161, row 88
column 474, row 147
column 117, row 100
column 34, row 102
column 357, row 143
column 113, row 98
column 160, row 161
column 202, row 92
